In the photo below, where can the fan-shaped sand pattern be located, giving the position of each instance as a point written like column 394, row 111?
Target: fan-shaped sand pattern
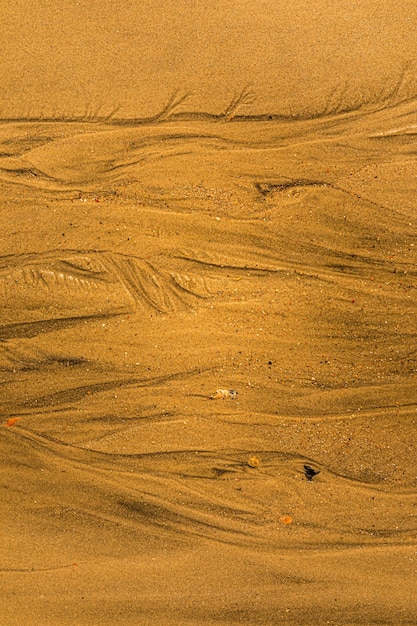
column 60, row 283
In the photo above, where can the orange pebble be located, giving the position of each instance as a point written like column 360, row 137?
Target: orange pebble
column 12, row 421
column 286, row 519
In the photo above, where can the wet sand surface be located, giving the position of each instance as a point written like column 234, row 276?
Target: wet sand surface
column 146, row 264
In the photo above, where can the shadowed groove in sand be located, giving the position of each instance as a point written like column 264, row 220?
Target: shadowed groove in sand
column 79, row 392
column 32, row 329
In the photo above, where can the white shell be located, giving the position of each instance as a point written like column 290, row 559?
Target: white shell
column 224, row 394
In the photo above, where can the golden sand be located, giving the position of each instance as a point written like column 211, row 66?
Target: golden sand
column 216, row 197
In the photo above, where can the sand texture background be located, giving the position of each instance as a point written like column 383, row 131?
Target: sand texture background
column 202, row 196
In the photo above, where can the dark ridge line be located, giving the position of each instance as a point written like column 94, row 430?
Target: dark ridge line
column 26, row 257
column 31, row 329
column 62, row 253
column 167, row 504
column 162, row 514
column 126, row 423
column 31, row 413
column 267, row 188
column 145, row 121
column 35, row 570
column 190, row 136
column 78, row 393
column 31, row 171
column 225, row 117
column 292, row 267
column 31, row 365
column 230, row 267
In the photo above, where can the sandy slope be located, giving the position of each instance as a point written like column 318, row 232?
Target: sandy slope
column 145, row 267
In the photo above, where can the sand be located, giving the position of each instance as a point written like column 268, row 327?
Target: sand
column 176, row 230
